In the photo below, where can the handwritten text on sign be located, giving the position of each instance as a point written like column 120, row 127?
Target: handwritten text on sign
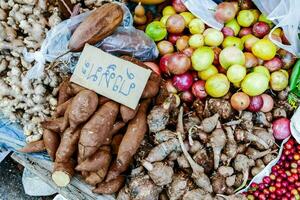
column 110, row 76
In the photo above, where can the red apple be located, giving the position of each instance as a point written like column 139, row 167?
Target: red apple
column 245, row 31
column 179, row 6
column 260, row 29
column 179, row 63
column 225, row 12
column 227, row 31
column 273, row 64
column 173, row 38
column 163, row 63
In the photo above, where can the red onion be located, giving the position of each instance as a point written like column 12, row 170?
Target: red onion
column 153, row 66
column 179, row 63
column 268, row 103
column 179, row 6
column 274, row 64
column 281, row 128
column 256, row 103
column 183, row 82
column 187, row 96
column 198, row 89
column 173, row 38
column 163, row 63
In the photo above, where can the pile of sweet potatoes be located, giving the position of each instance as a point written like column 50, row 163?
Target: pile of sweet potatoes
column 94, row 136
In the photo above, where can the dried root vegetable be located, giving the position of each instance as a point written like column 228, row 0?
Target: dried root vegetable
column 100, row 24
column 217, row 142
column 245, row 136
column 63, row 94
column 94, row 162
column 160, row 173
column 33, row 147
column 62, row 173
column 163, row 136
column 266, row 136
column 255, row 154
column 221, row 106
column 159, row 115
column 61, row 109
column 102, row 100
column 179, row 186
column 51, row 141
column 83, row 105
column 110, row 187
column 97, row 130
column 131, row 141
column 231, row 145
column 197, row 194
column 198, row 175
column 115, row 143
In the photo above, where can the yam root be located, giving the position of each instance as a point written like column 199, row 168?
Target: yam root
column 246, row 136
column 68, row 145
column 256, row 154
column 57, row 125
column 217, row 142
column 51, row 141
column 128, row 114
column 163, row 136
column 266, row 136
column 33, row 147
column 101, row 23
column 102, row 100
column 198, row 175
column 62, row 173
column 179, row 186
column 110, row 187
column 131, row 141
column 143, row 188
column 160, row 173
column 159, row 116
column 74, row 89
column 95, row 162
column 218, row 184
column 98, row 129
column 197, row 194
column 231, row 145
column 82, row 107
column 204, row 160
column 221, row 106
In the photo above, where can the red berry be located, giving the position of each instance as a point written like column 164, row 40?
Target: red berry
column 261, row 186
column 294, row 192
column 272, row 189
column 275, row 168
column 290, row 187
column 287, row 152
column 295, row 176
column 296, row 156
column 267, row 180
column 272, row 177
column 284, row 198
column 297, row 184
column 278, row 192
column 262, row 197
column 291, row 179
column 254, row 185
column 272, row 196
column 290, row 157
column 278, row 185
column 284, row 183
column 266, row 191
column 256, row 193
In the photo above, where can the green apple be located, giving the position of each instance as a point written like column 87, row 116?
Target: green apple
column 202, row 58
column 233, row 41
column 217, row 85
column 234, row 26
column 196, row 26
column 164, row 19
column 245, row 18
column 256, row 14
column 196, row 41
column 255, row 83
column 168, row 10
column 206, row 74
column 230, row 56
column 156, row 30
column 263, row 70
column 188, row 17
column 264, row 49
column 213, row 37
column 236, row 73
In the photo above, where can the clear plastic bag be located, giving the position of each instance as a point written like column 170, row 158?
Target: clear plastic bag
column 57, row 40
column 285, row 14
column 204, row 10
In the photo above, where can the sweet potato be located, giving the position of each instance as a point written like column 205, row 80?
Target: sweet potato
column 62, row 173
column 152, row 87
column 94, row 162
column 98, row 129
column 33, row 147
column 102, row 100
column 111, row 186
column 51, row 141
column 56, row 125
column 68, row 145
column 74, row 89
column 132, row 139
column 63, row 95
column 101, row 23
column 82, row 107
column 128, row 114
column 97, row 177
column 115, row 143
column 61, row 109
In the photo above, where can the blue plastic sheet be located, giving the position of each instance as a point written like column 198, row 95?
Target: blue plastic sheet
column 12, row 137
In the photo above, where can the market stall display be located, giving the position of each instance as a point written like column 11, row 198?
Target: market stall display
column 211, row 117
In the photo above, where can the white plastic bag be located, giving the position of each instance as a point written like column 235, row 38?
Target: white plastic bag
column 285, row 14
column 204, row 9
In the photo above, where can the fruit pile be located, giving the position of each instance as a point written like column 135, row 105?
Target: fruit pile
column 283, row 182
column 199, row 61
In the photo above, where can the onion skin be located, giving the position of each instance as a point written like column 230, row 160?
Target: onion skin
column 163, row 64
column 153, row 66
column 281, row 128
column 268, row 103
column 179, row 6
column 256, row 103
column 198, row 89
column 187, row 96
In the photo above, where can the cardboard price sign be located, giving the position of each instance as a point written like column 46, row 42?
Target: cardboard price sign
column 110, row 76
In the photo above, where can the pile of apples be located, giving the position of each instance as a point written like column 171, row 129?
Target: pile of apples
column 198, row 60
